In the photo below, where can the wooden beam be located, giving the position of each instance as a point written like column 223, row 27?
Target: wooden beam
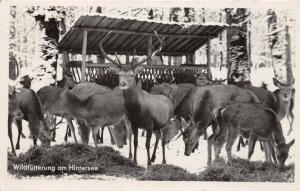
column 99, row 29
column 149, row 49
column 84, row 46
column 208, row 57
column 78, row 64
column 122, row 52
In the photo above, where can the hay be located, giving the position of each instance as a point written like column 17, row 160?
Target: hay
column 240, row 170
column 110, row 162
column 73, row 159
column 167, row 172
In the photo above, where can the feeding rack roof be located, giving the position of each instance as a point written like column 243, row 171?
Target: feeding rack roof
column 130, row 33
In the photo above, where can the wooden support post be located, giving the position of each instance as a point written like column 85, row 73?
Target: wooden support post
column 100, row 59
column 208, row 57
column 65, row 60
column 127, row 58
column 149, row 49
column 84, row 46
column 190, row 58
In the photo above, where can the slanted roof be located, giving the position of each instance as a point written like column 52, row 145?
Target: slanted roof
column 129, row 34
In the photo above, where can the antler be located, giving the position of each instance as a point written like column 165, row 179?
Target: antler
column 153, row 54
column 113, row 62
column 118, row 58
column 133, row 57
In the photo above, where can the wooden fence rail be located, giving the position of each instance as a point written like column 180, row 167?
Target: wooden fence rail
column 101, row 74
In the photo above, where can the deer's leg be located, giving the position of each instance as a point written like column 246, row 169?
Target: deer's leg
column 70, row 123
column 129, row 133
column 147, row 144
column 163, row 144
column 209, row 148
column 157, row 135
column 22, row 135
column 66, row 135
column 290, row 118
column 52, row 122
column 95, row 129
column 231, row 136
column 19, row 125
column 267, row 152
column 101, row 137
column 130, row 145
column 252, row 141
column 10, row 120
column 271, row 150
column 241, row 142
column 84, row 132
column 135, row 143
column 111, row 137
column 218, row 144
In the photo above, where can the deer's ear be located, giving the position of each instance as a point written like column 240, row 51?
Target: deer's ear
column 291, row 143
column 184, row 123
column 276, row 82
column 293, row 81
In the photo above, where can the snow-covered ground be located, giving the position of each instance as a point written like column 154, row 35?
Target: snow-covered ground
column 174, row 151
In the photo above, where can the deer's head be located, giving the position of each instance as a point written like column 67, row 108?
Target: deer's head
column 190, row 134
column 285, row 90
column 128, row 71
column 282, row 152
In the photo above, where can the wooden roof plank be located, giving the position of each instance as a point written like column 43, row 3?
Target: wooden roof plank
column 132, row 33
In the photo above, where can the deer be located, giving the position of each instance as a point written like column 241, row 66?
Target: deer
column 199, row 105
column 254, row 121
column 14, row 112
column 144, row 110
column 281, row 100
column 29, row 104
column 97, row 110
column 49, row 94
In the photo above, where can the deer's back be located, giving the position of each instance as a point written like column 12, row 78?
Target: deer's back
column 47, row 95
column 265, row 97
column 250, row 117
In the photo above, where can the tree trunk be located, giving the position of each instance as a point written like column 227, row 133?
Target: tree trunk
column 238, row 67
column 276, row 54
column 13, row 65
column 289, row 72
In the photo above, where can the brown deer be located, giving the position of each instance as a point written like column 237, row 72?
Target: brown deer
column 97, row 110
column 256, row 122
column 144, row 110
column 281, row 100
column 30, row 106
column 200, row 103
column 14, row 112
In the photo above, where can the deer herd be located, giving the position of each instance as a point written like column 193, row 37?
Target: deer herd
column 232, row 111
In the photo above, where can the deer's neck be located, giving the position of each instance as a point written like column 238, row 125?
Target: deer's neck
column 278, row 137
column 282, row 106
column 132, row 103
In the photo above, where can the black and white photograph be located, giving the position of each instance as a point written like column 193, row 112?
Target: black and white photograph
column 174, row 92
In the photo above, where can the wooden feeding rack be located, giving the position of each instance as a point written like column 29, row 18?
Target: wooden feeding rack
column 127, row 35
